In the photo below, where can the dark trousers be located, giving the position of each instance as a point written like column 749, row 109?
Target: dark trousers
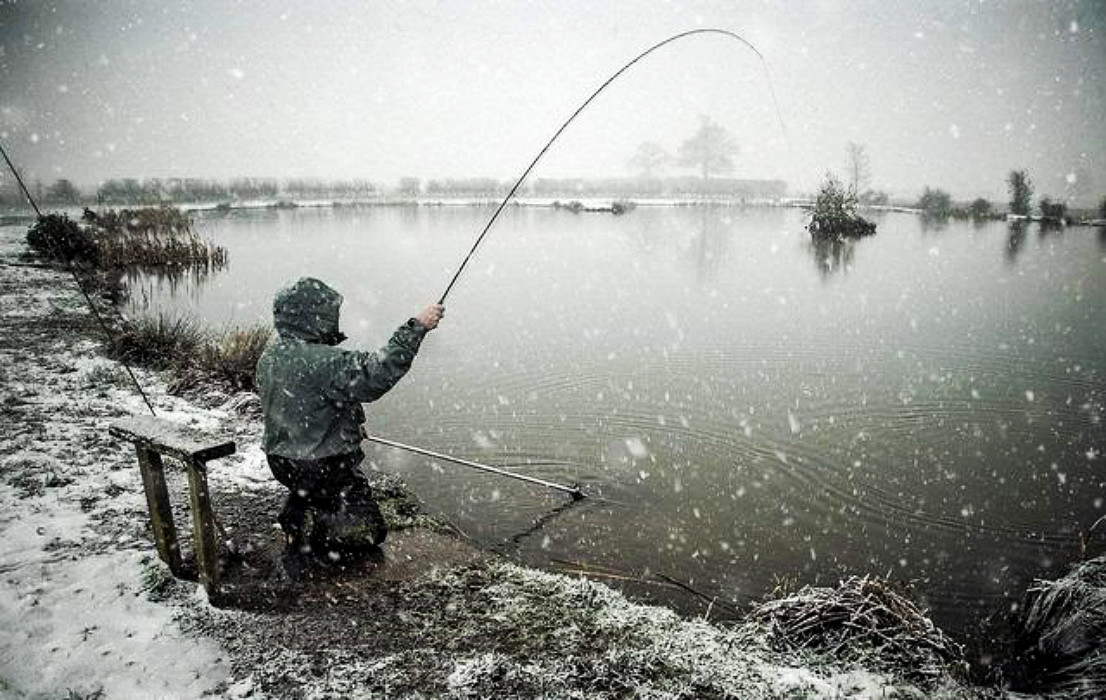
column 330, row 504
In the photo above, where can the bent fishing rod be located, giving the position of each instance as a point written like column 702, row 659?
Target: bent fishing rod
column 601, row 88
column 573, row 490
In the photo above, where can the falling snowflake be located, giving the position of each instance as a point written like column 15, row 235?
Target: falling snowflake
column 637, row 448
column 794, row 423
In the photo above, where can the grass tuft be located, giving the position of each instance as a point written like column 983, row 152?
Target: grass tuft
column 195, row 358
column 1064, row 633
column 229, row 361
column 158, row 581
column 160, row 342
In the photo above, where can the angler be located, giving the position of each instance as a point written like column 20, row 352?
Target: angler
column 311, row 396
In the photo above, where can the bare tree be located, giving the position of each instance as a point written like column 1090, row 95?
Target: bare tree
column 410, row 186
column 649, row 159
column 711, row 150
column 858, row 169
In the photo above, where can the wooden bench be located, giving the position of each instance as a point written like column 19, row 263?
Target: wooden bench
column 152, row 438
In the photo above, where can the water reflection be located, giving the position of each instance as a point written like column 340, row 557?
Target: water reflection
column 513, row 544
column 711, row 242
column 703, row 243
column 1048, row 228
column 1015, row 240
column 148, row 285
column 831, row 255
column 651, row 232
column 932, row 223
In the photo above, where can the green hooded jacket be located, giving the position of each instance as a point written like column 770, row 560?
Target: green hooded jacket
column 312, row 391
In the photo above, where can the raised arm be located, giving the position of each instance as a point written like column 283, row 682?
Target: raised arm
column 366, row 376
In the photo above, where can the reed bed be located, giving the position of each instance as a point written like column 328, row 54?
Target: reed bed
column 865, row 621
column 148, row 237
column 1064, row 633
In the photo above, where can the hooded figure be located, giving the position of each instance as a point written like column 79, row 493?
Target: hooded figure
column 311, row 396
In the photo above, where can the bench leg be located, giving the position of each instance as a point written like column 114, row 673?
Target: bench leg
column 161, row 514
column 203, row 528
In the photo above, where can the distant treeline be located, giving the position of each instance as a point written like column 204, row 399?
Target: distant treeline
column 186, row 190
column 685, row 186
column 153, row 191
column 937, row 204
column 603, row 187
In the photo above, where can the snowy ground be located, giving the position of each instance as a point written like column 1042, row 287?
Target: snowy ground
column 73, row 613
column 86, row 610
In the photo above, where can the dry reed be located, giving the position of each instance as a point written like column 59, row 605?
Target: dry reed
column 151, row 236
column 1064, row 633
column 863, row 620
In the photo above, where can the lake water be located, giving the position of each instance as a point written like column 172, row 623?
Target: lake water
column 925, row 405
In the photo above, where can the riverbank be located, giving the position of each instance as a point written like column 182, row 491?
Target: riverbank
column 88, row 612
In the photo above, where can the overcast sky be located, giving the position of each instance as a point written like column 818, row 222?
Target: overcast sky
column 950, row 94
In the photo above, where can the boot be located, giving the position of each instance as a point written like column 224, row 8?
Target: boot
column 291, row 568
column 349, row 534
column 295, row 522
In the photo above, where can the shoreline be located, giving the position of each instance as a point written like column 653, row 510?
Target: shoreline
column 613, row 205
column 92, row 610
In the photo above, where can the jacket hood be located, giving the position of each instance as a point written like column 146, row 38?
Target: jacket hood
column 307, row 310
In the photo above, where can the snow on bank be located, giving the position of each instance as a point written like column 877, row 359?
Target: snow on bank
column 500, row 630
column 75, row 620
column 72, row 603
column 80, row 624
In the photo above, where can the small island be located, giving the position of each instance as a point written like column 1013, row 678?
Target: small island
column 834, row 216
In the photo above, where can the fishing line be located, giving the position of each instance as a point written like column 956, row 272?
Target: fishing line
column 72, row 271
column 539, row 523
column 601, row 88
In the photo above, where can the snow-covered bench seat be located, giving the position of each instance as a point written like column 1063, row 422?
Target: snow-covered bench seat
column 153, row 438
